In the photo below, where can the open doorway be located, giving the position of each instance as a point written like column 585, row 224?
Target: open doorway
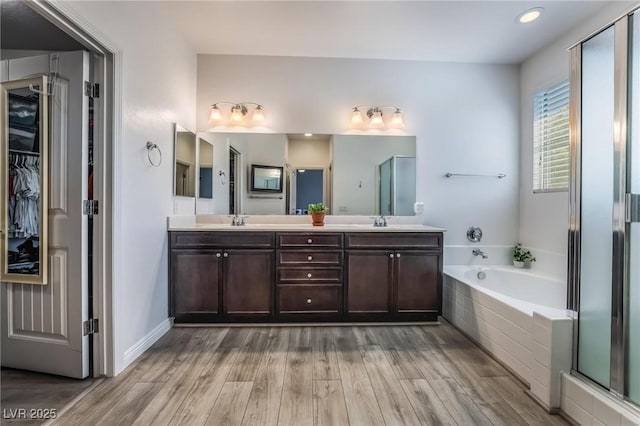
column 64, row 329
column 234, row 181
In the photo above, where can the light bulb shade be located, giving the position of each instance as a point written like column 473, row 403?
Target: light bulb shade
column 236, row 114
column 396, row 120
column 215, row 116
column 258, row 115
column 376, row 120
column 356, row 117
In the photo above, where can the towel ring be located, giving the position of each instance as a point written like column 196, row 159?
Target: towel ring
column 150, row 147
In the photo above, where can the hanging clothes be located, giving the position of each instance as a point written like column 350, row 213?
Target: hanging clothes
column 24, row 196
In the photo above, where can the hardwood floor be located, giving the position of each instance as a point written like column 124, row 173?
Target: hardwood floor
column 366, row 375
column 25, row 390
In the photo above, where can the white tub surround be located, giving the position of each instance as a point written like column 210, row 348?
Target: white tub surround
column 587, row 404
column 518, row 317
column 296, row 223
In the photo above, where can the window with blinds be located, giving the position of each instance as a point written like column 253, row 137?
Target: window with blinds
column 551, row 139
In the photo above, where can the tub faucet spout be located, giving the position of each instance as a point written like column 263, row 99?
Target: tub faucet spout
column 478, row 252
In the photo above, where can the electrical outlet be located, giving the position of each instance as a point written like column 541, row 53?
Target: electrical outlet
column 418, row 207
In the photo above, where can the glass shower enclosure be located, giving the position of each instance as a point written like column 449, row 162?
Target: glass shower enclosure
column 604, row 232
column 397, row 189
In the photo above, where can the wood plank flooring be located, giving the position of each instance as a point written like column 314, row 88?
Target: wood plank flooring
column 364, row 375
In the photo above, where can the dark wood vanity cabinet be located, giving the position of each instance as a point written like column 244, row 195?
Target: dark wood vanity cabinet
column 221, row 276
column 403, row 281
column 305, row 276
column 309, row 276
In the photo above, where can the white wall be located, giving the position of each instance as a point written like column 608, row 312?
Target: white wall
column 309, row 153
column 465, row 118
column 157, row 83
column 544, row 217
column 355, row 169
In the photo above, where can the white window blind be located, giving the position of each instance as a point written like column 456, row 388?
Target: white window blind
column 551, row 139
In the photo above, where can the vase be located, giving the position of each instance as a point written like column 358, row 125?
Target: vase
column 317, row 218
column 518, row 264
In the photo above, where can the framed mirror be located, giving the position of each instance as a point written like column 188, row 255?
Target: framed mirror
column 185, row 166
column 24, row 113
column 266, row 178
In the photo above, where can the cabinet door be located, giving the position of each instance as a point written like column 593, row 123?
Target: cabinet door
column 195, row 284
column 417, row 283
column 248, row 282
column 369, row 281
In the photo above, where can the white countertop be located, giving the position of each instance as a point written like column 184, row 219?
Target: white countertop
column 302, row 227
column 279, row 223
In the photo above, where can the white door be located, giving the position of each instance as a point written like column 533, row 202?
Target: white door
column 42, row 325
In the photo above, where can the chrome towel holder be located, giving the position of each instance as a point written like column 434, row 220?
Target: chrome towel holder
column 449, row 174
column 150, row 147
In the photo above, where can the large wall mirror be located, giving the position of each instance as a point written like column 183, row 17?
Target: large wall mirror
column 185, row 166
column 24, row 169
column 350, row 174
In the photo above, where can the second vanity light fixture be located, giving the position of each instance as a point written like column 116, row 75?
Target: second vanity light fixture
column 237, row 115
column 376, row 117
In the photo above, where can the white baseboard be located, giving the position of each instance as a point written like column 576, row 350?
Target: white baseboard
column 146, row 342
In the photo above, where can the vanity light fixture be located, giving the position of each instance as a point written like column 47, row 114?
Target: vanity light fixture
column 237, row 114
column 530, row 15
column 376, row 117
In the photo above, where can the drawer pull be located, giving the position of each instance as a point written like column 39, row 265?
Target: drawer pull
column 309, row 275
column 391, row 255
column 308, row 301
column 226, row 255
column 310, row 258
column 397, row 254
column 309, row 241
column 218, row 255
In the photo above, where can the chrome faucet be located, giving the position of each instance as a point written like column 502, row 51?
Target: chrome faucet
column 478, row 252
column 238, row 220
column 380, row 221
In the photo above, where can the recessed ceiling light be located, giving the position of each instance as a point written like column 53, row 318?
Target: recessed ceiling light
column 308, row 134
column 530, row 15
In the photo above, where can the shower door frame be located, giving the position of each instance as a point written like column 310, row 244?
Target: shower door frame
column 618, row 385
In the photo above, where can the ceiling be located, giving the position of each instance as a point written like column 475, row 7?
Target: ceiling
column 451, row 31
column 448, row 31
column 21, row 28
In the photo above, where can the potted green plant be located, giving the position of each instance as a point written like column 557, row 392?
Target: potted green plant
column 522, row 258
column 317, row 212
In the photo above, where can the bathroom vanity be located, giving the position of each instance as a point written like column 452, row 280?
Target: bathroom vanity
column 296, row 273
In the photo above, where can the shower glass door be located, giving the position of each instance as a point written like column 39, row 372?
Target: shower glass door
column 633, row 226
column 597, row 198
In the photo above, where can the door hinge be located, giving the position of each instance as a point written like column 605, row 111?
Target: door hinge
column 90, row 207
column 91, row 89
column 632, row 208
column 90, row 327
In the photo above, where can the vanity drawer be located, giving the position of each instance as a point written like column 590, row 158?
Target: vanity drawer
column 312, row 258
column 207, row 239
column 298, row 240
column 297, row 299
column 386, row 240
column 309, row 275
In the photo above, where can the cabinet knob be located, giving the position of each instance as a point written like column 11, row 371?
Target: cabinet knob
column 390, row 254
column 218, row 255
column 226, row 255
column 309, row 301
column 310, row 258
column 397, row 254
column 309, row 241
column 309, row 275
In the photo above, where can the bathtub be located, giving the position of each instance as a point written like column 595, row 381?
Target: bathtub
column 519, row 317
